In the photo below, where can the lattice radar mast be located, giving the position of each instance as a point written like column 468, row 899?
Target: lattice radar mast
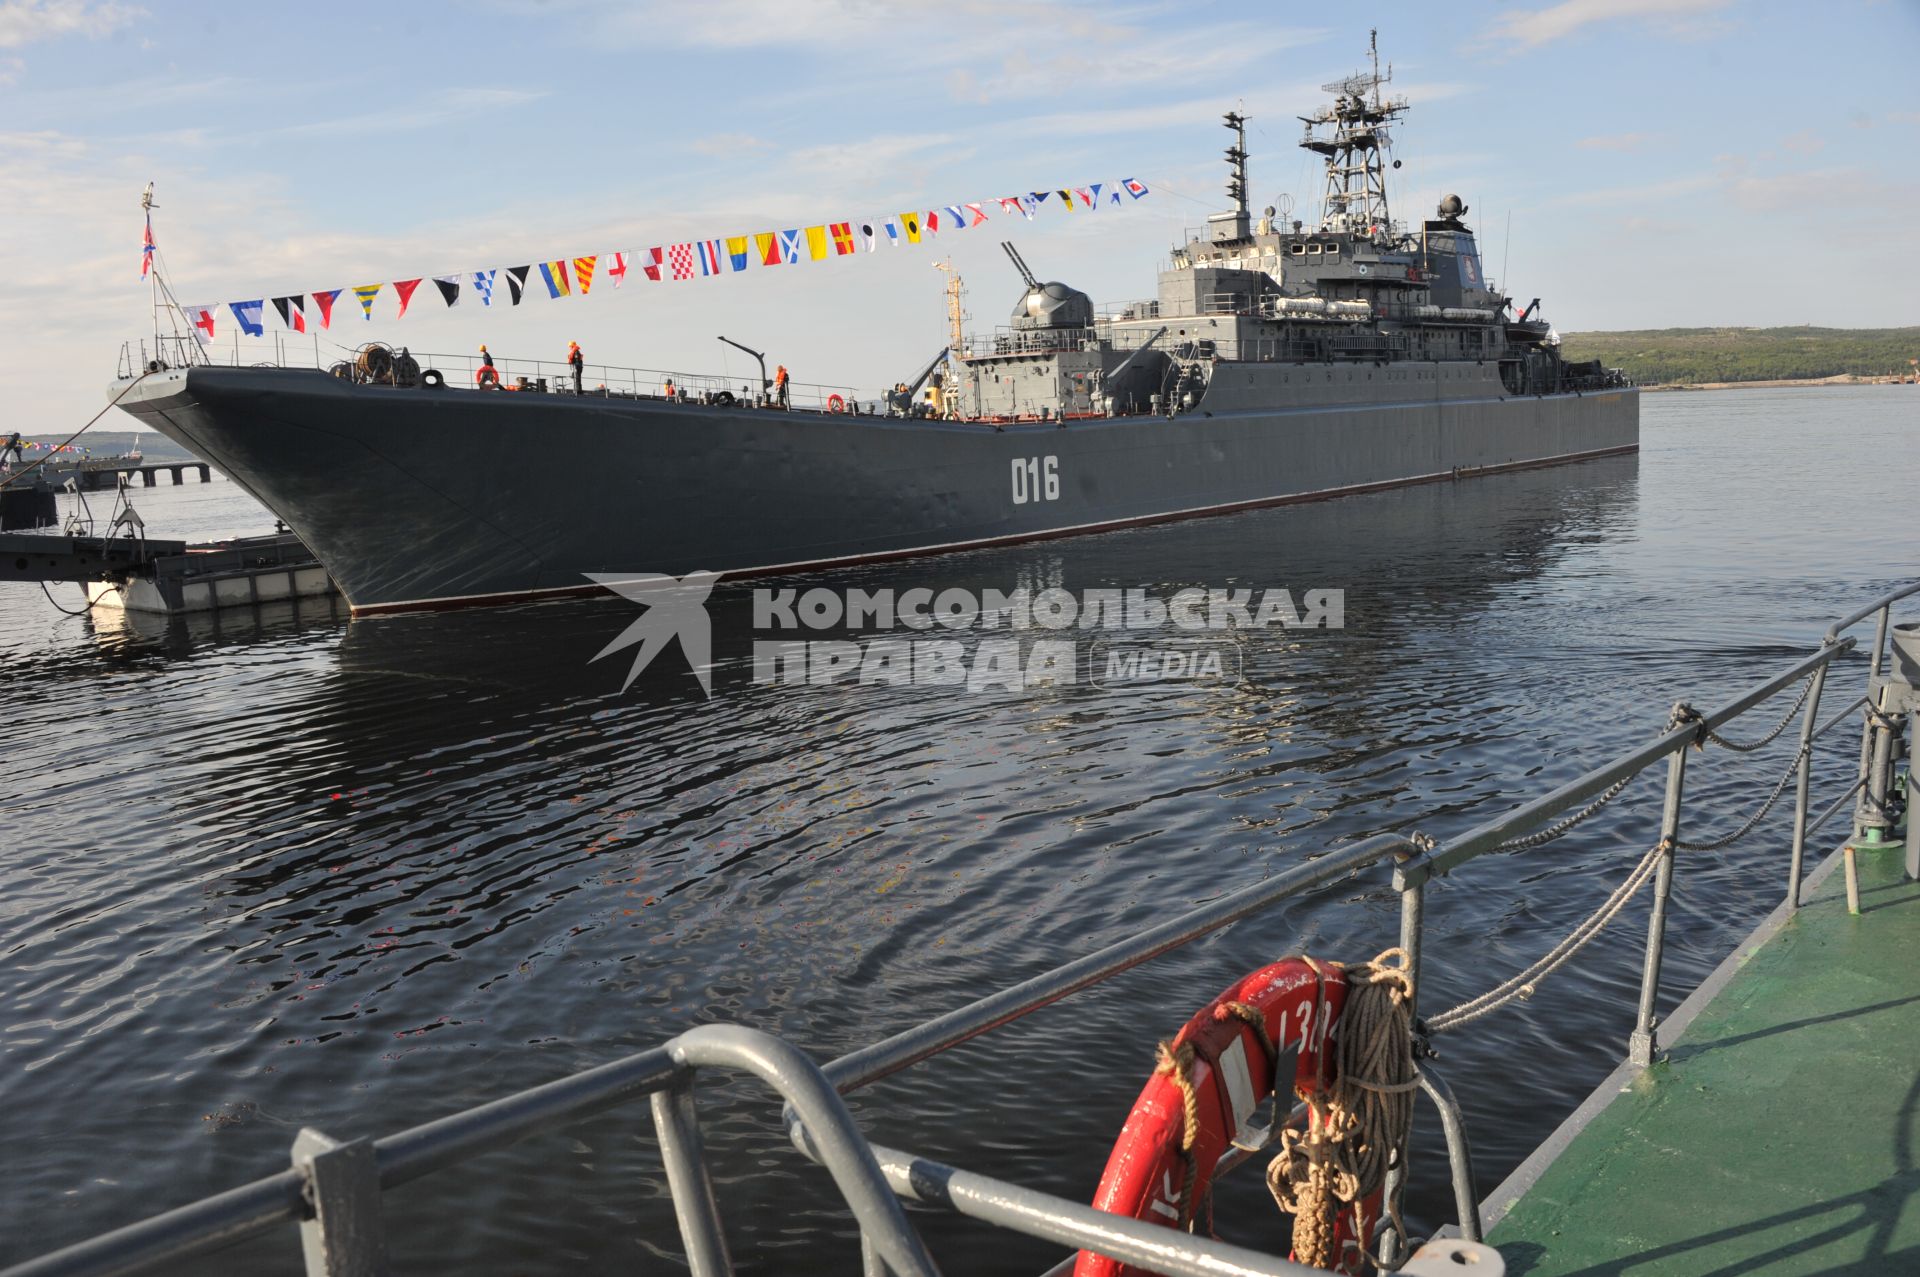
column 957, row 315
column 1356, row 147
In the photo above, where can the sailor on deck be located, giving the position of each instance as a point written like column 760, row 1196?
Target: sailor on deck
column 780, row 385
column 578, row 363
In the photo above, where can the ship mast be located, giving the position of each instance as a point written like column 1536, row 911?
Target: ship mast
column 182, row 344
column 956, row 310
column 1232, row 225
column 1355, row 148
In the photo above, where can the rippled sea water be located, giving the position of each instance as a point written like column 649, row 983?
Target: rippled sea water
column 286, row 870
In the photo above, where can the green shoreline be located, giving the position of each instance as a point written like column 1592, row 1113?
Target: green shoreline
column 1733, row 357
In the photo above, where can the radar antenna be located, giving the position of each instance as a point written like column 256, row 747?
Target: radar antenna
column 1355, row 150
column 1019, row 263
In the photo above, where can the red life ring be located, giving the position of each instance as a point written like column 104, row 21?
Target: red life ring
column 1146, row 1175
column 836, row 404
column 488, row 377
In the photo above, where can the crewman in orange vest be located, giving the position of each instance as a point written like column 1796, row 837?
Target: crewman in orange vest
column 578, row 363
column 780, row 385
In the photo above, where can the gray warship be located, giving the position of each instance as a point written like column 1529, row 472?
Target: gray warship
column 1282, row 361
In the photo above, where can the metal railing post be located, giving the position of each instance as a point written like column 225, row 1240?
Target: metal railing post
column 1412, row 918
column 1459, row 1153
column 1867, row 743
column 1871, row 819
column 677, row 1122
column 1641, row 1045
column 340, row 1183
column 1802, row 783
column 1413, row 911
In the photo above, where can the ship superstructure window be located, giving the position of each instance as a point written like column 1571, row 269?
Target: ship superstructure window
column 1299, row 250
column 1313, row 250
column 1333, row 250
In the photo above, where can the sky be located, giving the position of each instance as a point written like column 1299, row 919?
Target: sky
column 1636, row 163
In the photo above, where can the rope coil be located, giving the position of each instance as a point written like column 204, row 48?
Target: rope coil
column 1357, row 1123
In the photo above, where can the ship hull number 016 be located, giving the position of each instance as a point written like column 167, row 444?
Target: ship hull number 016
column 1036, row 479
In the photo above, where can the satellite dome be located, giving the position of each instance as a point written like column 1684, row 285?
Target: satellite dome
column 1452, row 206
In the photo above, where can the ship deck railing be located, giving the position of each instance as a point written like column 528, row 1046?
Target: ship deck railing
column 1367, row 344
column 552, row 376
column 333, row 1189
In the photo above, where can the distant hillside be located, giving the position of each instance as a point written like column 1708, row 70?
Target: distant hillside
column 1690, row 355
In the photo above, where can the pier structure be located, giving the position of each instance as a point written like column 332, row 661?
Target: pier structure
column 104, row 475
column 169, row 577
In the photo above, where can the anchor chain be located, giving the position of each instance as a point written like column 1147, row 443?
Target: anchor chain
column 1684, row 713
column 1541, row 837
column 1779, row 788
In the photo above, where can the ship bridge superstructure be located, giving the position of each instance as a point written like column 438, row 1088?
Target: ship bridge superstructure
column 1245, row 297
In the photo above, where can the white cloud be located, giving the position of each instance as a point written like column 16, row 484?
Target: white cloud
column 23, row 22
column 1534, row 27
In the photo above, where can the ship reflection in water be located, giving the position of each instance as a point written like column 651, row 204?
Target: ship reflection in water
column 436, row 857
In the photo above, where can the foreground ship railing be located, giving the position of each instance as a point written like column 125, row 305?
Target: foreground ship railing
column 333, row 1189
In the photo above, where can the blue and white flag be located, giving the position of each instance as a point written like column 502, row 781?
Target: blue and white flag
column 792, row 245
column 249, row 315
column 483, row 285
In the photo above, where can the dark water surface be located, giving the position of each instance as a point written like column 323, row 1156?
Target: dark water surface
column 291, row 871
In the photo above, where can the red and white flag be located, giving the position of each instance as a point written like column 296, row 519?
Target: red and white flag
column 650, row 263
column 681, row 258
column 617, row 268
column 202, row 319
column 292, row 312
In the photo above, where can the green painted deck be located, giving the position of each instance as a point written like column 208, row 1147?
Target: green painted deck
column 1782, row 1133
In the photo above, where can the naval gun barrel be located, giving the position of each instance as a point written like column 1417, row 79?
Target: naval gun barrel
column 1020, row 263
